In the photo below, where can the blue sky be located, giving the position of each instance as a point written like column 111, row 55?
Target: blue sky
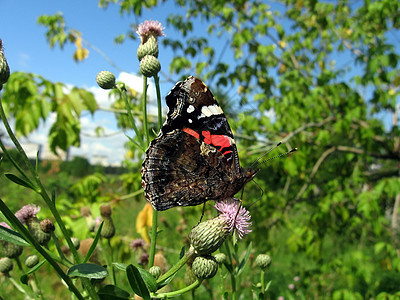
column 27, row 50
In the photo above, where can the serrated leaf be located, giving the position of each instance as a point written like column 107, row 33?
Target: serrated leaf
column 88, row 271
column 19, row 181
column 110, row 292
column 12, row 237
column 136, row 282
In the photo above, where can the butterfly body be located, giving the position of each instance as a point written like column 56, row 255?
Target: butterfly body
column 194, row 158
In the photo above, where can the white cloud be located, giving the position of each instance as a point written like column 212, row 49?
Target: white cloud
column 112, row 145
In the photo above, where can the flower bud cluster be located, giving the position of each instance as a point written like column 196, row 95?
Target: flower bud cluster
column 147, row 52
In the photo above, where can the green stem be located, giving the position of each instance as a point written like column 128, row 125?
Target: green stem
column 114, row 281
column 177, row 266
column 233, row 278
column 19, row 264
column 39, row 186
column 262, row 284
column 122, row 91
column 145, row 122
column 153, row 238
column 193, row 286
column 26, row 234
column 155, row 213
column 157, row 83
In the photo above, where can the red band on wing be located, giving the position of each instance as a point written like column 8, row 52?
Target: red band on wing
column 222, row 141
column 191, row 132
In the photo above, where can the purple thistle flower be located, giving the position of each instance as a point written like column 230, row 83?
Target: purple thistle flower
column 4, row 224
column 27, row 212
column 149, row 27
column 235, row 215
column 137, row 244
column 144, row 259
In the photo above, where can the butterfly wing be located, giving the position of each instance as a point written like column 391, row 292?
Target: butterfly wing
column 194, row 158
column 193, row 109
column 180, row 170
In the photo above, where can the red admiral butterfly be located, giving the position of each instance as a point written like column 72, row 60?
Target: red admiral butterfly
column 194, row 158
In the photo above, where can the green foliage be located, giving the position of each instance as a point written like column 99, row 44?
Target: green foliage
column 311, row 73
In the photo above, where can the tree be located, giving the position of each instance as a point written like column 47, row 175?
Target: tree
column 323, row 71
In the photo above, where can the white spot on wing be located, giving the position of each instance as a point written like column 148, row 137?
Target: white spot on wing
column 190, row 109
column 207, row 111
column 190, row 120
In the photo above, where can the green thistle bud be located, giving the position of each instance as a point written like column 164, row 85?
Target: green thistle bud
column 76, row 242
column 36, row 230
column 220, row 258
column 150, row 47
column 155, row 271
column 108, row 230
column 4, row 68
column 263, row 261
column 208, row 236
column 105, row 80
column 6, row 265
column 11, row 250
column 31, row 261
column 149, row 66
column 205, row 267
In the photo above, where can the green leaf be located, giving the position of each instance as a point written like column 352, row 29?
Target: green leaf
column 20, row 181
column 149, row 280
column 120, row 266
column 11, row 236
column 88, row 271
column 136, row 282
column 110, row 292
column 94, row 244
column 244, row 260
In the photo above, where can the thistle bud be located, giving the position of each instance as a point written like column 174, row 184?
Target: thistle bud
column 220, row 258
column 105, row 211
column 263, row 261
column 204, row 267
column 106, row 80
column 31, row 261
column 47, row 226
column 11, row 250
column 36, row 230
column 208, row 236
column 149, row 66
column 4, row 68
column 148, row 48
column 155, row 271
column 6, row 265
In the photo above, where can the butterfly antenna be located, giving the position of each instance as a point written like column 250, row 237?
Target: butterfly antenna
column 259, row 198
column 253, row 165
column 282, row 154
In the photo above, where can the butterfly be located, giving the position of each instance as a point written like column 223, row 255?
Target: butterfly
column 194, row 157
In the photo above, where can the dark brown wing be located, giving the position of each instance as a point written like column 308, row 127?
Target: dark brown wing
column 181, row 170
